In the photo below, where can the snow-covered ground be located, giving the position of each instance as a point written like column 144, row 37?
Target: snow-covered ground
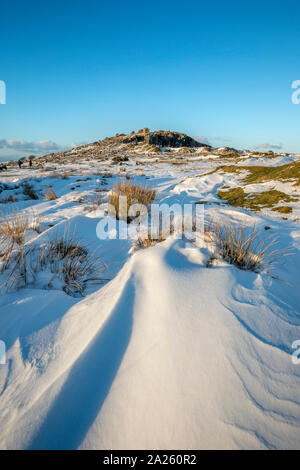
column 165, row 352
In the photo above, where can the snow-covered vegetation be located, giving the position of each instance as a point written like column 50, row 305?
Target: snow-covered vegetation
column 159, row 342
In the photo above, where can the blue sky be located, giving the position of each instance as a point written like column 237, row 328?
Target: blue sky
column 78, row 71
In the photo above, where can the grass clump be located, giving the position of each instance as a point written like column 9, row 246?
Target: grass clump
column 50, row 194
column 119, row 159
column 134, row 193
column 65, row 262
column 261, row 174
column 14, row 225
column 147, row 240
column 66, row 175
column 234, row 197
column 237, row 197
column 95, row 202
column 283, row 209
column 28, row 190
column 13, row 253
column 12, row 229
column 245, row 248
column 72, row 262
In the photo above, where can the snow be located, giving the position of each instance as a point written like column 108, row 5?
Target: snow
column 165, row 353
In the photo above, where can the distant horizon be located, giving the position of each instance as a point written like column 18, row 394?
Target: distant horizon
column 221, row 72
column 72, row 146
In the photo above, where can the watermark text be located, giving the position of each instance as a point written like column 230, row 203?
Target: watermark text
column 2, row 353
column 296, row 353
column 296, row 94
column 2, row 92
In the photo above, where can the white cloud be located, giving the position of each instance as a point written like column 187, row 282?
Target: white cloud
column 43, row 146
column 267, row 145
column 221, row 139
column 202, row 140
column 207, row 140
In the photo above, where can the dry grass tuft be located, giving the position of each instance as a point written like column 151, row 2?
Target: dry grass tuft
column 29, row 191
column 71, row 261
column 66, row 175
column 245, row 248
column 50, row 194
column 65, row 258
column 149, row 240
column 34, row 222
column 13, row 227
column 12, row 231
column 13, row 253
column 134, row 193
column 16, row 264
column 95, row 202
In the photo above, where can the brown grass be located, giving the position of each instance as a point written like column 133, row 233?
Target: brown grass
column 95, row 202
column 13, row 253
column 16, row 264
column 50, row 194
column 66, row 175
column 13, row 227
column 73, row 262
column 64, row 256
column 245, row 248
column 148, row 241
column 135, row 194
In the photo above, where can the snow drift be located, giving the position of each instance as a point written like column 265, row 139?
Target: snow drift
column 166, row 353
column 170, row 354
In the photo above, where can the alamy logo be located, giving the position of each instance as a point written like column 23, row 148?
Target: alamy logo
column 296, row 354
column 2, row 353
column 2, row 92
column 153, row 221
column 296, row 94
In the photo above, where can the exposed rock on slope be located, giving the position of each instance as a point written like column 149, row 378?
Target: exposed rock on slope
column 142, row 143
column 162, row 139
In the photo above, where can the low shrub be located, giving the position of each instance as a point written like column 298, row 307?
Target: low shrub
column 28, row 190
